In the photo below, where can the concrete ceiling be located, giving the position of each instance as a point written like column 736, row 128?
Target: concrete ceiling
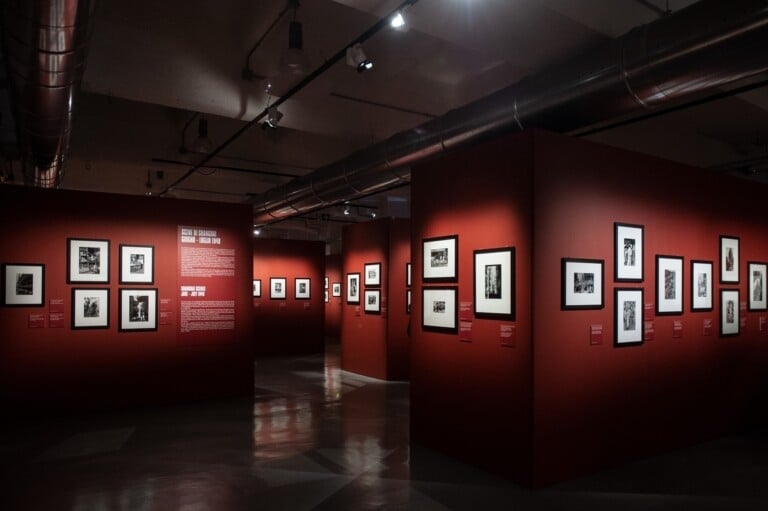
column 153, row 66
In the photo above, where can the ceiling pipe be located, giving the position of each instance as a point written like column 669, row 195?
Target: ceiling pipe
column 45, row 43
column 679, row 58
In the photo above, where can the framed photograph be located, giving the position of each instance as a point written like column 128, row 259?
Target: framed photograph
column 353, row 288
column 494, row 283
column 138, row 310
column 372, row 301
column 302, row 288
column 327, row 299
column 628, row 252
column 582, row 284
column 137, row 264
column 729, row 260
column 23, row 285
column 669, row 285
column 407, row 274
column 757, row 297
column 277, row 288
column 440, row 259
column 701, row 286
column 729, row 312
column 372, row 274
column 439, row 309
column 326, row 283
column 628, row 320
column 336, row 289
column 90, row 308
column 257, row 288
column 87, row 261
column 407, row 301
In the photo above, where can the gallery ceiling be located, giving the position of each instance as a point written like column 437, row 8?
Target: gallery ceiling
column 154, row 69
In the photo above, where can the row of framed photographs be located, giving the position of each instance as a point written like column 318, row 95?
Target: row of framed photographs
column 583, row 285
column 137, row 309
column 88, row 262
column 278, row 288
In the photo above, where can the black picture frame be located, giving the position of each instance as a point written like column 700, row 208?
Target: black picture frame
column 306, row 284
column 257, row 288
column 353, row 288
column 90, row 308
column 729, row 259
column 669, row 285
column 628, row 325
column 23, row 284
column 582, row 283
column 372, row 301
column 493, row 281
column 372, row 274
column 137, row 310
column 278, row 288
column 628, row 260
column 756, row 279
column 88, row 261
column 702, row 285
column 137, row 264
column 408, row 279
column 439, row 311
column 440, row 259
column 730, row 325
column 407, row 301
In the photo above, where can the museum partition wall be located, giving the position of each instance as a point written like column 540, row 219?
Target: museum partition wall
column 288, row 296
column 376, row 292
column 576, row 306
column 113, row 300
column 333, row 300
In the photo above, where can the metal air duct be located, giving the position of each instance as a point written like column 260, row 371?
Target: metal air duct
column 679, row 58
column 45, row 43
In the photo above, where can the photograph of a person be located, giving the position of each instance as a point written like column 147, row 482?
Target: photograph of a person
column 630, row 316
column 583, row 283
column 493, row 281
column 372, row 300
column 353, row 288
column 336, row 289
column 669, row 284
column 439, row 312
column 90, row 260
column 730, row 311
column 629, row 252
column 757, row 286
column 137, row 264
column 278, row 287
column 628, row 319
column 138, row 310
column 302, row 287
column 438, row 307
column 138, row 305
column 438, row 257
column 25, row 283
column 758, row 301
column 670, row 278
column 91, row 307
column 701, row 285
column 729, row 259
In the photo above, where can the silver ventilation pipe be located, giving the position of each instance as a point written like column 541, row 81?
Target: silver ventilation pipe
column 679, row 58
column 45, row 43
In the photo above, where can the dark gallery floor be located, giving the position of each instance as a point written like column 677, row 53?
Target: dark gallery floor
column 317, row 438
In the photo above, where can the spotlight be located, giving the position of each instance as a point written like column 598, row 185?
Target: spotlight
column 346, row 210
column 202, row 143
column 373, row 214
column 256, row 231
column 356, row 58
column 273, row 118
column 294, row 60
column 397, row 20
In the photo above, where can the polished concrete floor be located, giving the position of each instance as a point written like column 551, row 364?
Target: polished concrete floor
column 317, row 438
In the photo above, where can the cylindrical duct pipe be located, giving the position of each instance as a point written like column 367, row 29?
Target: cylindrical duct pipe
column 682, row 57
column 45, row 43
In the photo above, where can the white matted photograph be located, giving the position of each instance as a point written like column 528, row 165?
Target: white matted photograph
column 582, row 284
column 440, row 259
column 729, row 312
column 628, row 252
column 701, row 286
column 138, row 310
column 353, row 288
column 372, row 301
column 23, row 285
column 494, row 283
column 372, row 272
column 277, row 288
column 729, row 260
column 757, row 286
column 137, row 264
column 407, row 274
column 439, row 309
column 90, row 308
column 87, row 261
column 336, row 289
column 628, row 320
column 669, row 285
column 257, row 288
column 302, row 291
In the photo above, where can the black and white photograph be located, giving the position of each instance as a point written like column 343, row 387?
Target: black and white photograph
column 372, row 301
column 729, row 312
column 407, row 274
column 494, row 283
column 628, row 252
column 336, row 289
column 257, row 288
column 90, row 308
column 138, row 310
column 701, row 286
column 439, row 309
column 372, row 272
column 669, row 285
column 23, row 284
column 137, row 264
column 87, row 261
column 729, row 259
column 628, row 321
column 326, row 283
column 302, row 288
column 407, row 301
column 278, row 288
column 353, row 288
column 757, row 286
column 581, row 284
column 327, row 296
column 439, row 259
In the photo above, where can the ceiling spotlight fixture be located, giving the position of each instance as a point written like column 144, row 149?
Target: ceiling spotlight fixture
column 398, row 20
column 346, row 210
column 356, row 58
column 273, row 118
column 373, row 214
column 202, row 143
column 256, row 231
column 148, row 184
column 294, row 60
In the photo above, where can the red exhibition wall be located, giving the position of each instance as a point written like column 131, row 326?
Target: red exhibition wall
column 201, row 347
column 377, row 344
column 564, row 402
column 334, row 303
column 472, row 399
column 289, row 326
